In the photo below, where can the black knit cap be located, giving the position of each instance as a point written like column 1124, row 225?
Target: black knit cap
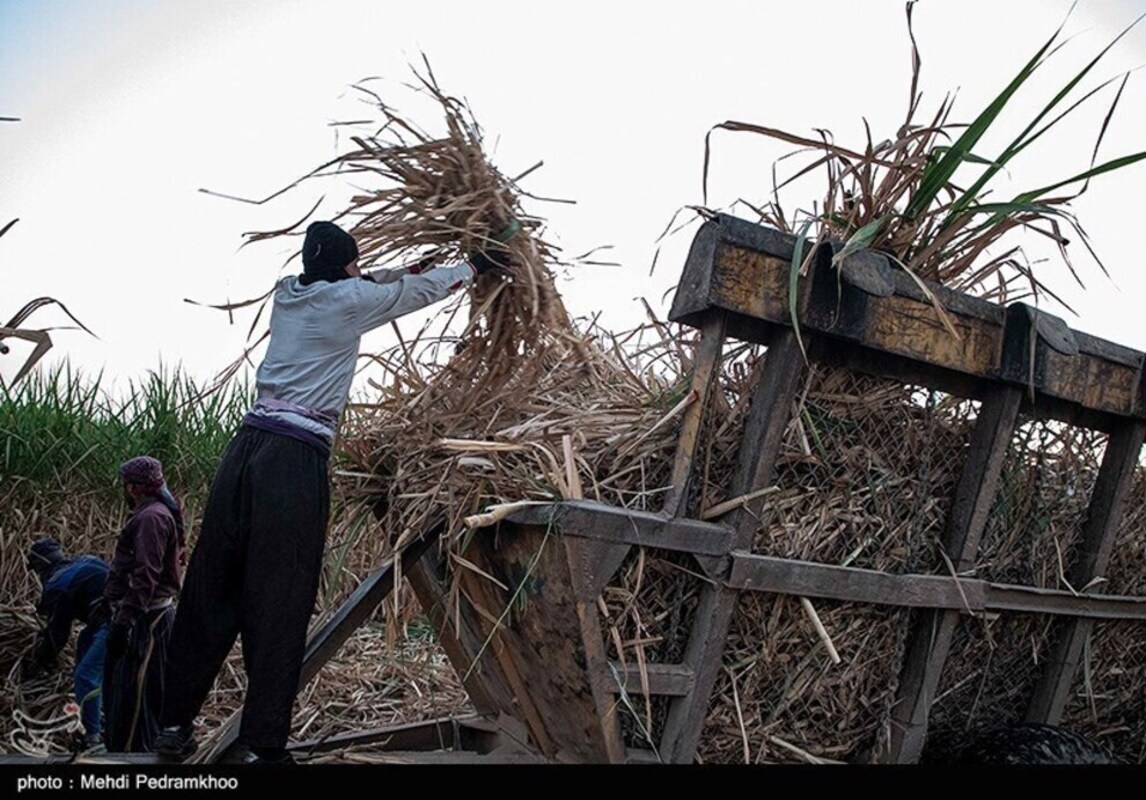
column 326, row 252
column 43, row 554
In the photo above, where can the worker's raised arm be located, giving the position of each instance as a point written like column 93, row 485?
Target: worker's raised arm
column 391, row 275
column 388, row 296
column 376, row 304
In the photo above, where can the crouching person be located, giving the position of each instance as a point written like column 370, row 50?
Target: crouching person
column 73, row 590
column 141, row 590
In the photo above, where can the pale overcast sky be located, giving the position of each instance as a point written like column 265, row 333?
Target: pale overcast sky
column 129, row 107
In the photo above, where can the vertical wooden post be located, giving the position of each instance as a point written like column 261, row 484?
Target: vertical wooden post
column 1104, row 515
column 763, row 434
column 601, row 683
column 706, row 371
column 457, row 638
column 931, row 639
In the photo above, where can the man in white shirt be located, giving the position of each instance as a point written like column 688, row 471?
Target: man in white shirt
column 256, row 566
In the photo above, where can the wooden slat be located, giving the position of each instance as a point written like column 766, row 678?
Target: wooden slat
column 438, row 734
column 358, row 608
column 931, row 637
column 325, row 642
column 1078, row 608
column 588, row 519
column 674, row 680
column 706, row 370
column 760, row 446
column 540, row 637
column 596, row 658
column 740, row 269
column 472, row 733
column 453, row 758
column 1104, row 515
column 854, row 585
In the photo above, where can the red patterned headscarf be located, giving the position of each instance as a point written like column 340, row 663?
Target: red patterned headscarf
column 147, row 473
column 143, row 471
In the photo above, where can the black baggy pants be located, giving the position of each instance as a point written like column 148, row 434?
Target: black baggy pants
column 134, row 683
column 255, row 572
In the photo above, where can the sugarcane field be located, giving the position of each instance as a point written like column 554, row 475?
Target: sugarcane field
column 354, row 440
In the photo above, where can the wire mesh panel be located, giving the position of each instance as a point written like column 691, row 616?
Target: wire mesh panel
column 1032, row 531
column 647, row 616
column 987, row 681
column 865, row 477
column 648, row 609
column 1108, row 699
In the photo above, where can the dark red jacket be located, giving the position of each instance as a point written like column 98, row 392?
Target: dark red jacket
column 147, row 565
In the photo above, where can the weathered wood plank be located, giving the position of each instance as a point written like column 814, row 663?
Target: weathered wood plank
column 537, row 638
column 850, row 584
column 930, row 640
column 663, row 679
column 450, row 758
column 706, row 371
column 593, row 642
column 913, row 329
column 438, row 734
column 751, row 283
column 358, row 608
column 1104, row 515
column 589, row 519
column 487, row 688
column 760, row 446
column 741, row 270
column 1078, row 608
column 854, row 585
column 1070, row 365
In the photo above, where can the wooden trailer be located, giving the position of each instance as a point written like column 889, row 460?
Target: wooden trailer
column 536, row 661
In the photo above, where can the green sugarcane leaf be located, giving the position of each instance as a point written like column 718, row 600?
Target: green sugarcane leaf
column 793, row 281
column 1025, row 138
column 859, row 240
column 939, row 173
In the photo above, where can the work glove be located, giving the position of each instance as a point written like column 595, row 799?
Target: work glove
column 117, row 641
column 495, row 256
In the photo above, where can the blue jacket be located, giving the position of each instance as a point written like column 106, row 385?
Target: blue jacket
column 73, row 592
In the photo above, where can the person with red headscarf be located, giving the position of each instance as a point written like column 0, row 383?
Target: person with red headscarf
column 141, row 589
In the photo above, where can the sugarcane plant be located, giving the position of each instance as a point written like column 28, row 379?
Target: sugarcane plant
column 923, row 197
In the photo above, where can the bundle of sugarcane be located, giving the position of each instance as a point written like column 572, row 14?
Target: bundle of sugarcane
column 526, row 407
column 426, row 451
column 439, row 200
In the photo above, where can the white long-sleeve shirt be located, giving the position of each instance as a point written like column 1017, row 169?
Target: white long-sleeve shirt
column 304, row 379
